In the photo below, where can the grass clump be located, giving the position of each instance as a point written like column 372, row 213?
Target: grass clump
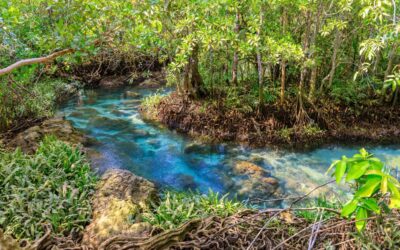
column 150, row 103
column 319, row 202
column 51, row 187
column 175, row 208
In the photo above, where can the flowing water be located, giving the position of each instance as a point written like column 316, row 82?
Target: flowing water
column 169, row 159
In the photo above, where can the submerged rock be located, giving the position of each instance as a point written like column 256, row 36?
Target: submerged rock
column 29, row 139
column 117, row 203
column 150, row 83
column 105, row 122
column 196, row 147
column 248, row 168
column 252, row 181
column 132, row 94
column 112, row 81
column 185, row 181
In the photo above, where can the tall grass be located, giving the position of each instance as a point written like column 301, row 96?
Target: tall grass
column 51, row 187
column 175, row 208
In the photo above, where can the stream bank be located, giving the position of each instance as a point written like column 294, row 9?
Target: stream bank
column 276, row 127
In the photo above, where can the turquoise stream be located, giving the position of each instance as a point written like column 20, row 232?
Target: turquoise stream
column 125, row 141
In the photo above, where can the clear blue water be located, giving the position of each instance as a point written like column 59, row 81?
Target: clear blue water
column 126, row 141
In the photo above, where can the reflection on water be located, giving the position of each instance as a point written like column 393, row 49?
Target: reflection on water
column 173, row 160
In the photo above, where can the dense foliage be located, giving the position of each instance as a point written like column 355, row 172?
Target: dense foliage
column 51, row 187
column 176, row 208
column 254, row 51
column 375, row 190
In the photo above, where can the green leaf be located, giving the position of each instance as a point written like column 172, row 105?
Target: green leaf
column 394, row 203
column 372, row 205
column 369, row 187
column 360, row 218
column 393, row 189
column 332, row 165
column 384, row 185
column 340, row 170
column 349, row 208
column 357, row 170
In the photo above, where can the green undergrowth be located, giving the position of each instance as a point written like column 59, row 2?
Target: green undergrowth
column 322, row 203
column 51, row 187
column 175, row 208
column 24, row 99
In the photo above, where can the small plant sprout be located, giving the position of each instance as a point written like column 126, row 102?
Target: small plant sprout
column 374, row 189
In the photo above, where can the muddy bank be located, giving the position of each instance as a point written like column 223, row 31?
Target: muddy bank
column 277, row 127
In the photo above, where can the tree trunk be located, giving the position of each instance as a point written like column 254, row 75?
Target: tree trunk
column 391, row 58
column 235, row 53
column 196, row 80
column 259, row 63
column 283, row 80
column 283, row 61
column 336, row 45
column 314, row 70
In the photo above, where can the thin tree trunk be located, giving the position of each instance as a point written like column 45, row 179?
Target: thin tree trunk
column 336, row 45
column 283, row 61
column 314, row 70
column 391, row 58
column 259, row 63
column 45, row 59
column 196, row 81
column 301, row 114
column 235, row 53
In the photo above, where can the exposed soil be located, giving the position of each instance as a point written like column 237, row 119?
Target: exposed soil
column 276, row 126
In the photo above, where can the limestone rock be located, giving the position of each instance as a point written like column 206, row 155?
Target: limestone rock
column 120, row 197
column 253, row 181
column 29, row 139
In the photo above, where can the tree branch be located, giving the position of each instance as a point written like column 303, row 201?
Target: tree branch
column 30, row 61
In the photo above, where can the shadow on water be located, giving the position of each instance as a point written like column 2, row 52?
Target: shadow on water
column 175, row 161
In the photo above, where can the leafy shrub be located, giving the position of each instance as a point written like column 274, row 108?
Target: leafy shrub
column 372, row 184
column 179, row 207
column 312, row 130
column 286, row 133
column 349, row 93
column 51, row 187
column 20, row 100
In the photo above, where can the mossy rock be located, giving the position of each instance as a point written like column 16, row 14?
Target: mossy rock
column 117, row 205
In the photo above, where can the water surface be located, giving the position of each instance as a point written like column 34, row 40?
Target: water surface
column 126, row 141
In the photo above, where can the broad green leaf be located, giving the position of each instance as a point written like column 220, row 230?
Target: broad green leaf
column 394, row 203
column 369, row 187
column 360, row 218
column 372, row 205
column 376, row 165
column 349, row 208
column 331, row 166
column 393, row 189
column 357, row 170
column 340, row 170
